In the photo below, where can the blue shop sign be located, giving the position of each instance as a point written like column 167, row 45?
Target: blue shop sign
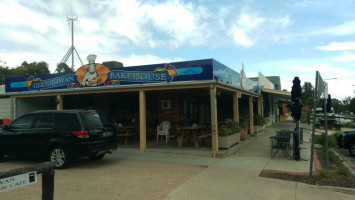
column 98, row 75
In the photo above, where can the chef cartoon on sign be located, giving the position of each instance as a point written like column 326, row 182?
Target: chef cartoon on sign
column 91, row 78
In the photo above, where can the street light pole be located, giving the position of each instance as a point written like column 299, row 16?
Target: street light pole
column 325, row 93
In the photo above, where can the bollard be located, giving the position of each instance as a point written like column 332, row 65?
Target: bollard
column 48, row 184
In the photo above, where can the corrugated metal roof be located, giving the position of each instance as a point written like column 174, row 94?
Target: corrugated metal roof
column 277, row 93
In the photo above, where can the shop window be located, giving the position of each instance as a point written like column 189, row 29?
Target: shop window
column 190, row 111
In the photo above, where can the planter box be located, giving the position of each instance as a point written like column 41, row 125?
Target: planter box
column 243, row 134
column 257, row 128
column 228, row 141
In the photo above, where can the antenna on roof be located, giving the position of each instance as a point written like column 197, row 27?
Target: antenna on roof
column 72, row 48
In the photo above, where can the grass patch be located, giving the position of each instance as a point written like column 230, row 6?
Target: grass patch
column 332, row 157
column 323, row 173
column 332, row 140
column 338, row 172
column 348, row 125
column 342, row 171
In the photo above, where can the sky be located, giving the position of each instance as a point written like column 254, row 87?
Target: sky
column 283, row 38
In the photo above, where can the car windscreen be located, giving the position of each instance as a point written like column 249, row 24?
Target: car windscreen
column 93, row 120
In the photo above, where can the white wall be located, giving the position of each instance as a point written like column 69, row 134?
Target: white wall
column 26, row 105
column 264, row 82
column 5, row 108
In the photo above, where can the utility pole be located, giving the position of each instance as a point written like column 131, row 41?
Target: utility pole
column 71, row 50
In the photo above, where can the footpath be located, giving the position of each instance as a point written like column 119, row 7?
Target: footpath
column 237, row 176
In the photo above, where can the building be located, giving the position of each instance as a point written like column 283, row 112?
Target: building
column 200, row 93
column 274, row 100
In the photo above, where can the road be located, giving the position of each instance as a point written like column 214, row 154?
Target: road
column 347, row 158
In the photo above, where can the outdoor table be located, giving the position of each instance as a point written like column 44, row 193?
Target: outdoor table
column 193, row 130
column 286, row 133
column 126, row 132
column 281, row 141
column 331, row 122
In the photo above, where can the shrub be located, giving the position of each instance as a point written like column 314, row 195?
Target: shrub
column 323, row 173
column 332, row 140
column 259, row 120
column 233, row 126
column 243, row 124
column 343, row 171
column 333, row 157
column 223, row 130
column 303, row 117
column 348, row 125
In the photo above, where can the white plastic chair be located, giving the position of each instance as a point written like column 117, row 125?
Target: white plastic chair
column 163, row 130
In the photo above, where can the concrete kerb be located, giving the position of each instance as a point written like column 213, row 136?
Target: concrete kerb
column 344, row 162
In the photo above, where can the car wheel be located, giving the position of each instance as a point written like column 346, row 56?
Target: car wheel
column 352, row 149
column 99, row 157
column 59, row 157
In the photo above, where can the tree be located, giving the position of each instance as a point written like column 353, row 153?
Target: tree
column 4, row 73
column 346, row 103
column 352, row 105
column 308, row 94
column 25, row 69
column 63, row 67
column 307, row 90
column 35, row 68
column 309, row 102
column 337, row 105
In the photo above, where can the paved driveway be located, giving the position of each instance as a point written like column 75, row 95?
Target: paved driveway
column 111, row 178
column 130, row 174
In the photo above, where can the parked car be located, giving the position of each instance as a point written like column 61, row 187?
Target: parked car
column 346, row 140
column 59, row 136
column 342, row 119
column 320, row 113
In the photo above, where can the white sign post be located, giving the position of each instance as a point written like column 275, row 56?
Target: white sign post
column 18, row 181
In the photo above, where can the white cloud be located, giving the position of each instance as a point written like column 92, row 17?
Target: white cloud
column 136, row 60
column 250, row 27
column 306, row 69
column 244, row 31
column 241, row 37
column 345, row 58
column 338, row 46
column 347, row 28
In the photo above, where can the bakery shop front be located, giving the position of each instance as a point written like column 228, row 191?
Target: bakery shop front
column 148, row 104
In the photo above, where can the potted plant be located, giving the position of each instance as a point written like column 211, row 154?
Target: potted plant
column 228, row 135
column 259, row 122
column 244, row 125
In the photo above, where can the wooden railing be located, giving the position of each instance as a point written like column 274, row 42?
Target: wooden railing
column 47, row 171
